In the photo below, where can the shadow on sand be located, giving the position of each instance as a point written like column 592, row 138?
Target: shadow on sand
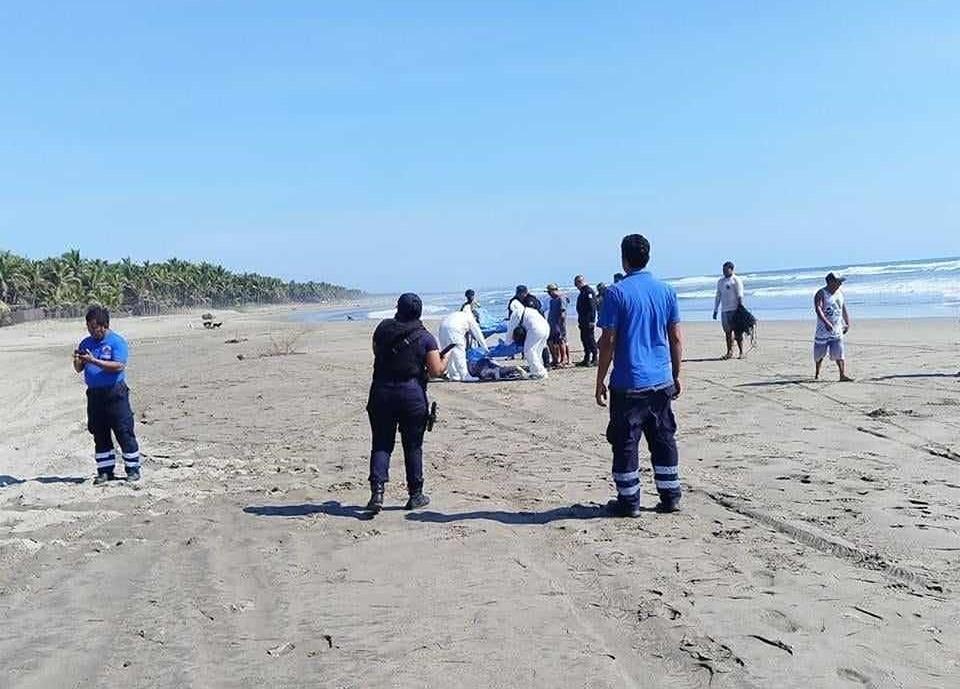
column 331, row 508
column 908, row 376
column 773, row 383
column 7, row 480
column 574, row 512
column 336, row 509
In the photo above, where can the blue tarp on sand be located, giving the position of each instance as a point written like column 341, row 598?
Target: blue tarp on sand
column 490, row 324
column 502, row 350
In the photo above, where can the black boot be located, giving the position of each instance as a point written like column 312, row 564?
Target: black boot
column 376, row 498
column 103, row 476
column 619, row 508
column 417, row 499
column 667, row 506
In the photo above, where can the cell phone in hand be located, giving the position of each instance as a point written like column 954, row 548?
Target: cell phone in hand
column 443, row 352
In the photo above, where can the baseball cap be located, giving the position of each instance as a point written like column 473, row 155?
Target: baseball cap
column 831, row 277
column 552, row 287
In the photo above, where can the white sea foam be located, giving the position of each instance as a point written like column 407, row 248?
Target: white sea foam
column 931, row 282
column 431, row 312
column 689, row 285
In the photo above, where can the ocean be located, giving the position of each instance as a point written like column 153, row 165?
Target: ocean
column 926, row 288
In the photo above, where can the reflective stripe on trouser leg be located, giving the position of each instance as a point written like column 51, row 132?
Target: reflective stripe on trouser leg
column 661, row 439
column 105, row 460
column 666, row 477
column 98, row 423
column 121, row 419
column 628, row 483
column 623, row 434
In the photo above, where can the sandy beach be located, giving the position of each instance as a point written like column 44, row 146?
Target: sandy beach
column 819, row 544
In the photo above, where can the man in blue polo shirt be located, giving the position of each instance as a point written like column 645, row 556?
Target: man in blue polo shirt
column 102, row 358
column 641, row 337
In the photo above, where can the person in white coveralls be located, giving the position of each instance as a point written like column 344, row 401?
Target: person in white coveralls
column 453, row 331
column 537, row 331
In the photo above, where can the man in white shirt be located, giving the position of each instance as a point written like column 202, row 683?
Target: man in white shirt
column 730, row 297
column 833, row 323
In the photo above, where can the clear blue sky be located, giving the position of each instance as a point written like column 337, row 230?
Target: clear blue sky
column 434, row 145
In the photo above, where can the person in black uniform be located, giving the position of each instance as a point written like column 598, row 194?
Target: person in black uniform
column 587, row 320
column 405, row 355
column 528, row 299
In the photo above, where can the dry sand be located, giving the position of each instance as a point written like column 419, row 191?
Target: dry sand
column 818, row 546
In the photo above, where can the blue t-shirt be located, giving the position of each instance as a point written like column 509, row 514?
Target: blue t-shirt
column 640, row 308
column 111, row 348
column 557, row 312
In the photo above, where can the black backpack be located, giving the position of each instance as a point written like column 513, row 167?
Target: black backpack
column 520, row 332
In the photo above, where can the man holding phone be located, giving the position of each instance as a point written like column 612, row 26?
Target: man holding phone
column 102, row 358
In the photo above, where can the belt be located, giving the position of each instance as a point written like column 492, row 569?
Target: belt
column 397, row 380
column 106, row 389
column 641, row 392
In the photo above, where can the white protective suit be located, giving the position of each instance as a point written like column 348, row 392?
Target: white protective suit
column 453, row 331
column 537, row 332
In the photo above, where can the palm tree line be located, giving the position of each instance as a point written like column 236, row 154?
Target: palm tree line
column 70, row 282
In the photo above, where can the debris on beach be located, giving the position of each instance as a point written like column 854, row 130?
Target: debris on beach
column 281, row 650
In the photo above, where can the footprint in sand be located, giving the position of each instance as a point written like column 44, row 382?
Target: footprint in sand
column 765, row 577
column 781, row 621
column 852, row 675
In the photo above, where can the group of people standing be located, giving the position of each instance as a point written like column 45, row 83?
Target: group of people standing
column 641, row 348
column 545, row 342
column 829, row 305
column 539, row 332
column 641, row 342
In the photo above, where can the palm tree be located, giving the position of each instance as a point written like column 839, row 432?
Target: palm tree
column 70, row 281
column 10, row 265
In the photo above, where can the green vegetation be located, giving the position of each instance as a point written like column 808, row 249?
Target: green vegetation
column 71, row 282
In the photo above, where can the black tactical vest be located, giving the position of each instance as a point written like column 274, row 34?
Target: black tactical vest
column 395, row 356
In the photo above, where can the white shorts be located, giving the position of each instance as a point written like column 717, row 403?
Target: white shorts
column 835, row 348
